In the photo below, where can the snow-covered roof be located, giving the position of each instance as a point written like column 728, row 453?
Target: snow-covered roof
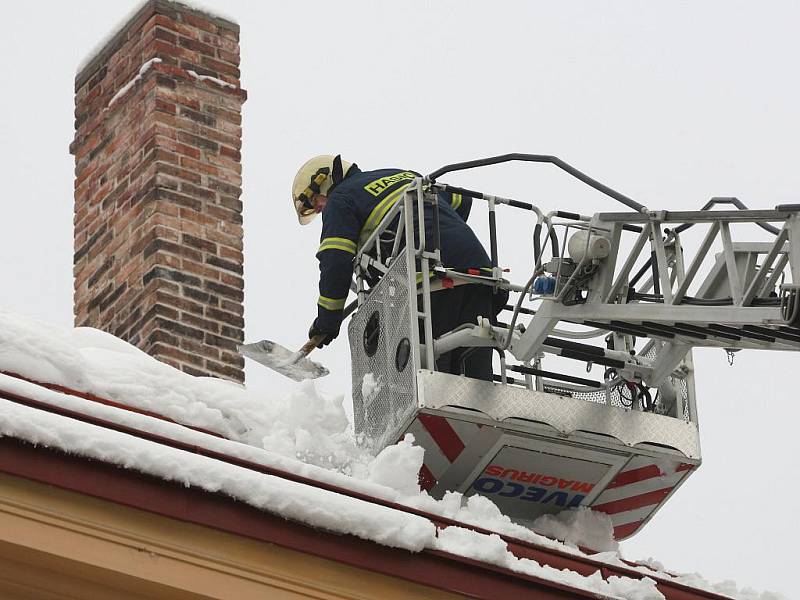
column 86, row 393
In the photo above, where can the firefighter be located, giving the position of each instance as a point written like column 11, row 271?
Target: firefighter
column 353, row 203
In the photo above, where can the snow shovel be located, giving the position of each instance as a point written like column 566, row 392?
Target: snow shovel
column 295, row 365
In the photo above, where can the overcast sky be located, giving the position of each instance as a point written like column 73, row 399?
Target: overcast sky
column 669, row 102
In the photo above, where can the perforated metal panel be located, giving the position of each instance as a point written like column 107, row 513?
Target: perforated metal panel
column 384, row 389
column 682, row 388
column 665, row 404
column 679, row 386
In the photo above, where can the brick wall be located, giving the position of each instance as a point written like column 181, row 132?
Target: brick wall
column 158, row 215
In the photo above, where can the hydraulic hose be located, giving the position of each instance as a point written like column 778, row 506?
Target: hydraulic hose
column 537, row 242
column 734, row 202
column 541, row 158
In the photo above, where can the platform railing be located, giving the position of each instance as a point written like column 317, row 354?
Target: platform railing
column 639, row 291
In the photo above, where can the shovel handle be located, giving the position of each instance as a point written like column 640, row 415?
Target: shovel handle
column 317, row 339
column 311, row 344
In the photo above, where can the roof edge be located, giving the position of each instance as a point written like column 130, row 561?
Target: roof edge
column 551, row 557
column 130, row 488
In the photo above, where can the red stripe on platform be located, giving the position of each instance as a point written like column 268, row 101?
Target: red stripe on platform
column 624, row 531
column 443, row 434
column 634, row 502
column 642, row 473
column 426, row 478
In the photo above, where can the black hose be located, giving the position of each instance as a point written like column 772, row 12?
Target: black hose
column 436, row 232
column 553, row 375
column 727, row 200
column 537, row 242
column 657, row 298
column 640, row 273
column 540, row 158
column 493, row 236
column 656, row 279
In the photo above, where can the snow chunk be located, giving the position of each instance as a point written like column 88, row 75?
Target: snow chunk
column 370, row 387
column 212, row 79
column 633, row 589
column 311, row 427
column 485, row 548
column 398, row 466
column 580, row 527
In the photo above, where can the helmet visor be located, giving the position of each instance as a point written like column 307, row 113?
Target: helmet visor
column 305, row 212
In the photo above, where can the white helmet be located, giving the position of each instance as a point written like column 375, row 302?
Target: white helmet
column 316, row 176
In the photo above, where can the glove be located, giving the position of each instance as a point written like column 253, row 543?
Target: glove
column 314, row 331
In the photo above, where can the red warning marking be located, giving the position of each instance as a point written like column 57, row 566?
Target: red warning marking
column 623, row 531
column 426, row 478
column 443, row 434
column 642, row 473
column 634, row 502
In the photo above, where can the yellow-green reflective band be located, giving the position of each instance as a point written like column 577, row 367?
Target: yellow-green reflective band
column 377, row 214
column 431, row 274
column 456, row 201
column 331, row 303
column 337, row 243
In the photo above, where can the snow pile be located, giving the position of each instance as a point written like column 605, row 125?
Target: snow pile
column 695, row 580
column 305, row 433
column 726, row 588
column 493, row 549
column 304, row 425
column 311, row 505
column 581, row 527
column 651, row 567
column 306, row 504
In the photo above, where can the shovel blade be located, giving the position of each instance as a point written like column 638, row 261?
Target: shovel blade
column 282, row 360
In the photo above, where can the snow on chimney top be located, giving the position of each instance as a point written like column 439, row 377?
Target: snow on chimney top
column 158, row 219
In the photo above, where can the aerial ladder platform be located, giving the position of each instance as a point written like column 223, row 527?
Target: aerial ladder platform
column 648, row 286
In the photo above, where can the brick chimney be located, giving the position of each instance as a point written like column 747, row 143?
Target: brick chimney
column 158, row 219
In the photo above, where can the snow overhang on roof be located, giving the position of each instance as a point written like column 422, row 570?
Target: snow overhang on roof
column 82, row 410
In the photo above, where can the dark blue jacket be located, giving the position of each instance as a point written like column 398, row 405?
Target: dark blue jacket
column 355, row 208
